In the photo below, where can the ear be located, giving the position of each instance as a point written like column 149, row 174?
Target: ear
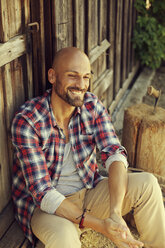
column 51, row 75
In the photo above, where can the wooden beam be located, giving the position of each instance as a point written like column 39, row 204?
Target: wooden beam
column 97, row 51
column 12, row 49
column 103, row 83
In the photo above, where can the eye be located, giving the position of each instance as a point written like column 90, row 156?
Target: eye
column 86, row 77
column 72, row 76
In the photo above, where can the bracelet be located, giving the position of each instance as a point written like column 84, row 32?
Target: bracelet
column 82, row 218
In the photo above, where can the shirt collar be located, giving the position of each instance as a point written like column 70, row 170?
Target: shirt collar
column 54, row 123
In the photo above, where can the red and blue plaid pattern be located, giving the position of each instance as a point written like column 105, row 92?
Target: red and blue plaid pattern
column 39, row 150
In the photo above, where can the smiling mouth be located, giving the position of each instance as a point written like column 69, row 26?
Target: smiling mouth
column 76, row 91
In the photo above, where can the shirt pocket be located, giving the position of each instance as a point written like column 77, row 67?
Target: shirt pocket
column 87, row 142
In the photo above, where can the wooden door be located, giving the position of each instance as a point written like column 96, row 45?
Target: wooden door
column 22, row 72
column 15, row 80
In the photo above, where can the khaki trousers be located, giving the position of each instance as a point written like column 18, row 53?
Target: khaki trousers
column 143, row 196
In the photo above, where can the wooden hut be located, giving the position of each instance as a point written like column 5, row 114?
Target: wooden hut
column 31, row 31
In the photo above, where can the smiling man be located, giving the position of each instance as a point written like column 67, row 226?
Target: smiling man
column 57, row 188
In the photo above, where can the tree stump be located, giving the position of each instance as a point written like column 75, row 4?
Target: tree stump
column 144, row 138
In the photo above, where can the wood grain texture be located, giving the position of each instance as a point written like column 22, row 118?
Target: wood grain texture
column 12, row 49
column 143, row 137
column 79, row 24
column 12, row 18
column 5, row 178
column 38, row 47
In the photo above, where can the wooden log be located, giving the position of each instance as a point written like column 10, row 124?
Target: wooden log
column 143, row 137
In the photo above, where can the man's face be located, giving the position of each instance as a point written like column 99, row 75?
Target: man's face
column 72, row 80
column 71, row 94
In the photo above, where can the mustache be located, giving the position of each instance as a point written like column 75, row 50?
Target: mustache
column 77, row 88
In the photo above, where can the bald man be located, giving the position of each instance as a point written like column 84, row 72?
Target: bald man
column 57, row 188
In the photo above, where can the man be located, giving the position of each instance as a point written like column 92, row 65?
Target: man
column 57, row 189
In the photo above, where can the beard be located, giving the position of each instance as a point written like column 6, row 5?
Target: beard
column 68, row 96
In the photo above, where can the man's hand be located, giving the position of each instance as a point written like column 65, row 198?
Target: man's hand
column 118, row 232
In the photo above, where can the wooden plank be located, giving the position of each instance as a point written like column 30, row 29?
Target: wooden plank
column 104, row 75
column 103, row 20
column 18, row 83
column 117, row 71
column 134, row 18
column 124, row 88
column 92, row 25
column 28, row 64
column 95, row 53
column 42, row 47
column 125, row 41
column 111, row 31
column 79, row 24
column 6, row 219
column 13, row 238
column 111, row 24
column 12, row 49
column 39, row 74
column 9, row 111
column 48, row 36
column 63, row 23
column 4, row 32
column 5, row 180
column 130, row 36
column 103, row 83
column 102, row 60
column 11, row 19
column 94, row 75
column 101, row 64
column 110, row 93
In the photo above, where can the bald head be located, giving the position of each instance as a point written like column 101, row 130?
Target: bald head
column 70, row 76
column 67, row 54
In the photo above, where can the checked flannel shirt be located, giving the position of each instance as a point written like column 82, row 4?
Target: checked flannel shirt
column 39, row 149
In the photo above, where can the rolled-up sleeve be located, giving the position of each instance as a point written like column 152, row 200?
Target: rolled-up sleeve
column 107, row 140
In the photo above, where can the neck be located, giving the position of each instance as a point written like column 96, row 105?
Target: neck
column 61, row 110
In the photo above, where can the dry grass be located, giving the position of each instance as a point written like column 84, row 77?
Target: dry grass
column 92, row 239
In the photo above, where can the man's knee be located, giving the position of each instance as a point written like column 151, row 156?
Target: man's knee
column 150, row 186
column 66, row 237
column 150, row 180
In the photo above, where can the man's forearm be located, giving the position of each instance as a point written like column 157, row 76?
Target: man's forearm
column 117, row 186
column 70, row 211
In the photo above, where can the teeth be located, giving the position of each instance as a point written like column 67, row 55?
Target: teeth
column 76, row 92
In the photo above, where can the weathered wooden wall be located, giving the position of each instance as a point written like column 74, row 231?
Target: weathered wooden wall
column 15, row 80
column 102, row 28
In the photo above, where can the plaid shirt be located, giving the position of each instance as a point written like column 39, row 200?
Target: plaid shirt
column 39, row 150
